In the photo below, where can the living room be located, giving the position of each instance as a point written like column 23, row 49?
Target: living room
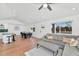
column 39, row 29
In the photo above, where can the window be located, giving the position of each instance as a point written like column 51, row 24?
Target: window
column 62, row 27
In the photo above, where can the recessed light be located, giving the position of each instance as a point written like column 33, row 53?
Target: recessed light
column 73, row 9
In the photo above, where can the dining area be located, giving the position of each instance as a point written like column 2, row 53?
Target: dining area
column 25, row 35
column 7, row 38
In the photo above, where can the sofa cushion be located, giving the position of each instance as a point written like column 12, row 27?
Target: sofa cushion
column 70, row 51
column 39, row 52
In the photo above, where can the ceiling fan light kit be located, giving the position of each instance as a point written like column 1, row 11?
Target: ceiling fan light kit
column 45, row 5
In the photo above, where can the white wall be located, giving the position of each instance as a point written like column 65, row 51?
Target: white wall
column 47, row 24
column 11, row 24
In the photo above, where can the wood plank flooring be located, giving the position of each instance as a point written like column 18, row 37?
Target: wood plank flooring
column 17, row 48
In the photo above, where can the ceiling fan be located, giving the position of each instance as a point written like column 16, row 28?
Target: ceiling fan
column 45, row 5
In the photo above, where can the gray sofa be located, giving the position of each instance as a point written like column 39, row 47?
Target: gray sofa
column 57, row 47
column 53, row 45
column 70, row 51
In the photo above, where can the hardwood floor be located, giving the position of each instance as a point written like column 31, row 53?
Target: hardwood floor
column 17, row 48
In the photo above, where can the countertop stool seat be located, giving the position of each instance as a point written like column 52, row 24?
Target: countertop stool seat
column 8, row 39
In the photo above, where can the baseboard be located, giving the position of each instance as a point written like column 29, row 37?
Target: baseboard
column 35, row 37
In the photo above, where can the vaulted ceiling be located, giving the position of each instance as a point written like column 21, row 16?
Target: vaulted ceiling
column 29, row 13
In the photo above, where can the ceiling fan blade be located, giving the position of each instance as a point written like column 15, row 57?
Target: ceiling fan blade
column 49, row 7
column 40, row 7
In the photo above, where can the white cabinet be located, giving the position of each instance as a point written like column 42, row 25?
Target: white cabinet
column 7, row 38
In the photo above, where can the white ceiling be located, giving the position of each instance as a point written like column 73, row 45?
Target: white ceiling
column 29, row 13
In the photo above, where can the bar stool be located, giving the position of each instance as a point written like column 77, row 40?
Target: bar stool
column 8, row 39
